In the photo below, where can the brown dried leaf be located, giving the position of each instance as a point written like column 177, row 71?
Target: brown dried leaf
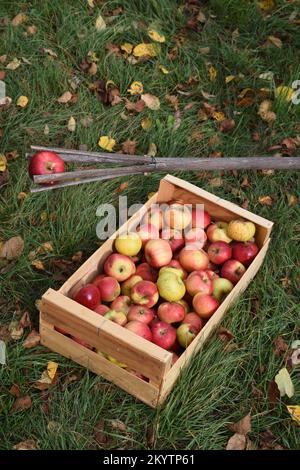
column 65, row 97
column 32, row 30
column 69, row 379
column 19, row 19
column 2, row 74
column 275, row 41
column 15, row 330
column 122, row 187
column 280, row 346
column 267, row 441
column 265, row 200
column 77, row 256
column 243, row 426
column 265, row 112
column 225, row 335
column 236, row 442
column 12, row 248
column 129, row 147
column 227, row 125
column 138, row 106
column 22, row 403
column 118, row 425
column 151, row 101
column 172, row 100
column 15, row 390
column 216, row 182
column 273, row 393
column 99, row 433
column 32, row 340
column 29, row 444
column 25, row 321
column 49, row 52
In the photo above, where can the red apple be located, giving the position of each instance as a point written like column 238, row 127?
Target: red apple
column 219, row 252
column 147, row 232
column 89, row 296
column 81, row 342
column 205, row 305
column 145, row 293
column 142, row 314
column 233, row 270
column 194, row 320
column 199, row 282
column 193, row 260
column 147, row 272
column 129, row 283
column 200, row 218
column 158, row 253
column 196, row 237
column 185, row 304
column 175, row 358
column 163, row 334
column 174, row 237
column 171, row 312
column 212, row 274
column 109, row 288
column 121, row 267
column 176, row 348
column 45, row 163
column 121, row 304
column 218, row 232
column 61, row 331
column 117, row 317
column 140, row 329
column 186, row 333
column 97, row 279
column 101, row 309
column 244, row 252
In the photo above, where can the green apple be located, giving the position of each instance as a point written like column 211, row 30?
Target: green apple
column 172, row 270
column 221, row 288
column 185, row 334
column 170, row 286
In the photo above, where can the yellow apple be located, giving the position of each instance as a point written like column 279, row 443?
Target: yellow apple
column 128, row 244
column 171, row 287
column 241, row 230
column 170, row 269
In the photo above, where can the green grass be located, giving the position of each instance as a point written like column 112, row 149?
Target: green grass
column 216, row 389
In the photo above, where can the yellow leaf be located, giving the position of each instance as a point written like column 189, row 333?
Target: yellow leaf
column 146, row 123
column 22, row 195
column 151, row 101
column 294, row 411
column 265, row 200
column 212, row 73
column 100, row 23
column 65, row 97
column 32, row 30
column 106, row 143
column 37, row 264
column 51, row 369
column 22, row 101
column 93, row 56
column 218, row 115
column 284, row 383
column 266, row 5
column 19, row 19
column 265, row 112
column 292, row 200
column 155, row 36
column 72, row 124
column 163, row 69
column 126, row 47
column 47, row 247
column 136, row 88
column 152, row 150
column 275, row 41
column 91, row 3
column 229, row 78
column 93, row 69
column 44, row 216
column 284, row 93
column 144, row 49
column 3, row 162
column 14, row 64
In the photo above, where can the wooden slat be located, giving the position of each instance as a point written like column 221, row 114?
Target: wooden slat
column 99, row 365
column 210, row 326
column 106, row 336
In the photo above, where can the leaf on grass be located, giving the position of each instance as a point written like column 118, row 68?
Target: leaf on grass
column 100, row 23
column 122, row 187
column 216, row 182
column 118, row 425
column 280, row 346
column 15, row 330
column 136, row 88
column 49, row 52
column 48, row 377
column 91, row 3
column 32, row 30
column 204, row 50
column 65, row 97
column 99, row 434
column 284, row 383
column 227, row 125
column 295, row 357
column 14, row 64
column 266, row 5
column 127, row 47
column 284, row 93
column 146, row 123
column 151, row 101
column 243, row 426
column 2, row 74
column 32, row 340
column 155, row 36
column 12, row 248
column 267, row 441
column 163, row 69
column 173, row 101
column 265, row 200
column 107, row 143
column 15, row 390
column 3, row 163
column 275, row 41
column 152, row 150
column 225, row 335
column 177, row 120
column 25, row 321
column 218, row 116
column 236, row 442
column 212, row 73
column 77, row 256
column 22, row 101
column 53, row 427
column 3, row 58
column 72, row 124
column 269, row 76
column 129, row 147
column 38, row 264
column 46, row 129
column 145, row 50
column 294, row 411
column 22, row 403
column 138, row 106
column 86, row 121
column 265, row 112
column 29, row 444
column 19, row 19
column 92, row 70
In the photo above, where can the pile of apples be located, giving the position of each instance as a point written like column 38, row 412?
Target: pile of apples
column 164, row 284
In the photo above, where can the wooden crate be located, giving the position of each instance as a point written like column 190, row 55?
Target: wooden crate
column 58, row 309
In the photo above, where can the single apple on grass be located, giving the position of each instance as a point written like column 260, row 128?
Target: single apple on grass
column 147, row 232
column 163, row 334
column 221, row 288
column 140, row 329
column 140, row 313
column 174, row 237
column 101, row 309
column 144, row 293
column 186, row 333
column 194, row 320
column 147, row 272
column 244, row 252
column 219, row 252
column 177, row 216
column 200, row 218
column 128, row 244
column 158, row 253
column 117, row 317
column 199, row 282
column 193, row 260
column 171, row 287
column 196, row 237
column 119, row 266
column 241, row 230
column 218, row 232
column 89, row 296
column 233, row 270
column 109, row 288
column 45, row 163
column 129, row 283
column 205, row 305
column 121, row 304
column 171, row 312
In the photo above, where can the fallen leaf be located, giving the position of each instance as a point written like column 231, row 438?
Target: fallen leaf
column 3, row 58
column 77, row 256
column 38, row 264
column 230, row 78
column 32, row 340
column 99, row 434
column 122, row 187
column 129, row 147
column 15, row 330
column 201, row 17
column 22, row 403
column 65, row 97
column 152, row 150
column 49, row 52
column 294, row 411
column 216, row 182
column 243, row 426
column 265, row 112
column 3, row 163
column 236, row 442
column 100, row 23
column 267, row 76
column 31, row 30
column 46, row 129
column 225, row 335
column 212, row 73
column 218, row 116
column 265, row 200
column 295, row 357
column 92, row 70
column 72, row 124
column 266, row 5
column 22, row 101
column 227, row 125
column 2, row 74
column 19, row 19
column 29, row 444
column 163, row 69
column 146, row 123
column 138, row 106
column 12, row 248
column 15, row 391
column 107, row 143
column 25, row 321
column 275, row 41
column 280, row 346
column 284, row 383
column 127, row 47
column 245, row 102
column 53, row 427
column 91, row 3
column 145, row 50
column 177, row 120
column 118, row 425
column 14, row 64
column 283, row 93
column 51, row 369
column 204, row 50
column 173, row 101
column 267, row 441
column 86, row 121
column 136, row 88
column 151, row 101
column 155, row 36
column 48, row 377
